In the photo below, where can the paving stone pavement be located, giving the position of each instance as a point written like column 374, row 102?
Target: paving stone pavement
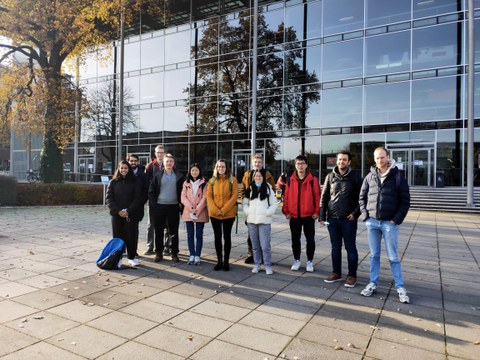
column 56, row 304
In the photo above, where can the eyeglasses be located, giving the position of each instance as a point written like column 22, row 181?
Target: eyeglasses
column 302, row 163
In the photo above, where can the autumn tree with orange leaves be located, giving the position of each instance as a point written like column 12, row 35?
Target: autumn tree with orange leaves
column 41, row 36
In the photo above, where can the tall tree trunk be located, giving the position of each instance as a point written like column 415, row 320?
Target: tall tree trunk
column 51, row 163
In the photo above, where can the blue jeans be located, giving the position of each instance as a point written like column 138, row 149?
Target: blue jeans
column 192, row 230
column 376, row 229
column 260, row 235
column 346, row 230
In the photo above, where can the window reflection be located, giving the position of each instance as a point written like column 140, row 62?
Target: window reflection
column 274, row 25
column 132, row 87
column 436, row 46
column 387, row 53
column 151, row 88
column 175, row 119
column 342, row 60
column 151, row 121
column 234, row 34
column 314, row 19
column 387, row 103
column 132, row 56
column 177, row 81
column 424, row 8
column 178, row 46
column 436, row 99
column 332, row 144
column 341, row 16
column 342, row 107
column 380, row 12
column 153, row 52
column 314, row 55
column 294, row 18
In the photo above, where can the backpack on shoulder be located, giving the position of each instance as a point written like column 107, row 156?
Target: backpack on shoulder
column 111, row 255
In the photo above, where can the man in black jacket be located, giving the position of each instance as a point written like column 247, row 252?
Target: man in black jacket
column 339, row 210
column 384, row 203
column 164, row 198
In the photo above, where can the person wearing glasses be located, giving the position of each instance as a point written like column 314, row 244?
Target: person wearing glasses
column 301, row 206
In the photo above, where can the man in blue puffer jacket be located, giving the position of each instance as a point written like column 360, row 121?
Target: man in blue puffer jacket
column 384, row 202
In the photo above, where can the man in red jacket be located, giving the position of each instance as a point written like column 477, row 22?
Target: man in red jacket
column 301, row 205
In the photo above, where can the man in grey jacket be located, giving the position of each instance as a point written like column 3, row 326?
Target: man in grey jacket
column 384, row 203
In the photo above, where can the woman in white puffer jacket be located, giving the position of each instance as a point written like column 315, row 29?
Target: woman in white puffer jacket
column 259, row 205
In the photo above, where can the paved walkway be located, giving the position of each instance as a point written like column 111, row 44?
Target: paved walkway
column 55, row 303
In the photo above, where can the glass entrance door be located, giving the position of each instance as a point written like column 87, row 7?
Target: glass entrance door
column 241, row 163
column 416, row 164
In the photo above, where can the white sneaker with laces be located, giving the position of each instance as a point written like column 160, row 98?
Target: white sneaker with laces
column 296, row 265
column 256, row 269
column 402, row 295
column 133, row 262
column 268, row 270
column 369, row 289
column 197, row 260
column 309, row 266
column 191, row 260
column 120, row 263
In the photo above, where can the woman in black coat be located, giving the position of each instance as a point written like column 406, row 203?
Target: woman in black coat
column 124, row 199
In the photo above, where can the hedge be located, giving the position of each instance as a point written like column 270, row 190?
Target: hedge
column 8, row 190
column 59, row 194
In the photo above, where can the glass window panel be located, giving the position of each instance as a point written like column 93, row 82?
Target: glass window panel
column 342, row 60
column 203, row 117
column 132, row 56
column 387, row 53
column 151, row 88
column 234, row 35
column 436, row 99
column 477, row 41
column 314, row 115
column 387, row 103
column 204, row 8
column 314, row 19
column 294, row 18
column 178, row 46
column 449, row 156
column 177, row 81
column 233, row 115
column 153, row 52
column 341, row 16
column 436, row 46
column 274, row 25
column 206, row 80
column 342, row 107
column 424, row 8
column 132, row 91
column 270, row 71
column 175, row 119
column 314, row 55
column 207, row 40
column 381, row 12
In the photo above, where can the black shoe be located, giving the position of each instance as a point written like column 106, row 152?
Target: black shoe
column 158, row 257
column 167, row 252
column 226, row 266
column 149, row 252
column 175, row 259
column 249, row 260
column 218, row 267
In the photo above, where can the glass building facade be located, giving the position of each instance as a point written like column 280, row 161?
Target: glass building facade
column 332, row 75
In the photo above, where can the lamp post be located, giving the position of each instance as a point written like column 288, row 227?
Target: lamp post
column 254, row 77
column 120, row 95
column 470, row 106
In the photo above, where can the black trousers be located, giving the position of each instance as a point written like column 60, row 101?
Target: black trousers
column 308, row 225
column 166, row 215
column 222, row 226
column 128, row 232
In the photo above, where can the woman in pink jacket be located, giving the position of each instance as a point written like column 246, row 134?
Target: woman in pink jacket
column 195, row 214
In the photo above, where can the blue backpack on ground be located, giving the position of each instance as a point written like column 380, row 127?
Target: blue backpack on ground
column 111, row 256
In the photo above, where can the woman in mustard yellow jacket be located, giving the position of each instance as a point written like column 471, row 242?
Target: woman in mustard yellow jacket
column 222, row 193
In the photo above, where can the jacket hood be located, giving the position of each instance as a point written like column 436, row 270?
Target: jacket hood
column 391, row 165
column 336, row 171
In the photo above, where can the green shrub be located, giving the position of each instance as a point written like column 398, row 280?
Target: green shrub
column 59, row 194
column 8, row 190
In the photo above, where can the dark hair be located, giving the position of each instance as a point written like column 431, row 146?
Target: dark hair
column 189, row 176
column 253, row 191
column 344, row 152
column 301, row 158
column 133, row 155
column 118, row 176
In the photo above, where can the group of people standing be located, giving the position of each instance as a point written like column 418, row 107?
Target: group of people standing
column 382, row 198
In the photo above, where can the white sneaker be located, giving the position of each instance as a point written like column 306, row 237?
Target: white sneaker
column 133, row 262
column 120, row 263
column 197, row 260
column 256, row 269
column 268, row 270
column 402, row 295
column 191, row 260
column 309, row 266
column 369, row 289
column 296, row 265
